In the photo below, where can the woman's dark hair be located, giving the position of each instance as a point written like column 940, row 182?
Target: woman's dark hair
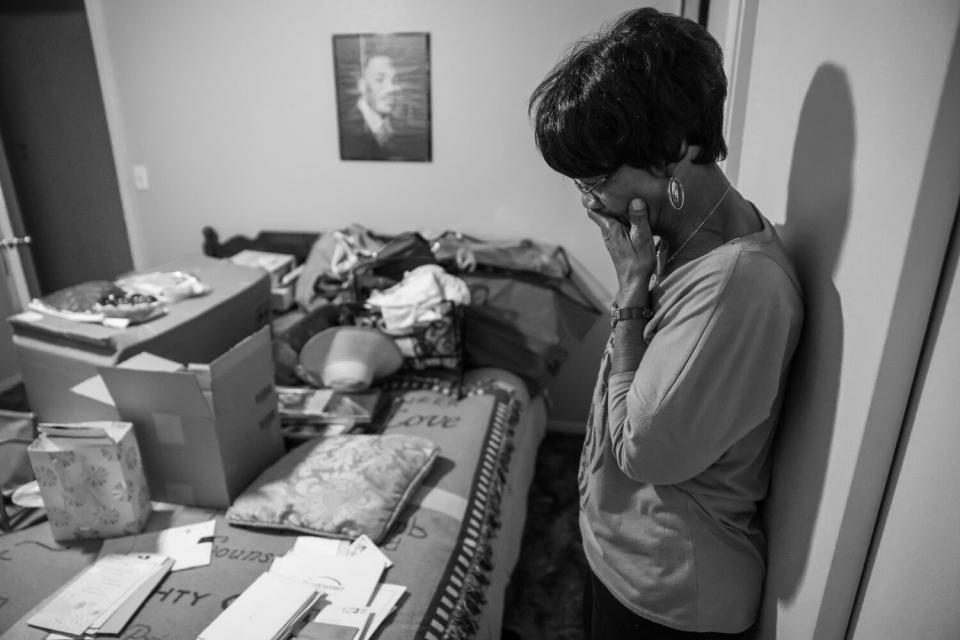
column 631, row 95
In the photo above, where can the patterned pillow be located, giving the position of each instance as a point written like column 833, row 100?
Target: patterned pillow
column 435, row 344
column 340, row 486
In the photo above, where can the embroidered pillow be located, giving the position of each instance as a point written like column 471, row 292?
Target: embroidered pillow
column 437, row 344
column 431, row 345
column 340, row 486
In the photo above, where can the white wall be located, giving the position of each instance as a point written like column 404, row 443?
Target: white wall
column 913, row 585
column 230, row 105
column 842, row 147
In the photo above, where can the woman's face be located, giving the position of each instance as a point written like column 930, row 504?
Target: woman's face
column 613, row 195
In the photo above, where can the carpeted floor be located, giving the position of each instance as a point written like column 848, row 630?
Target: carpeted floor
column 543, row 600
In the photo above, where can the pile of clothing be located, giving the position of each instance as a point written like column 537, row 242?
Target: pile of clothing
column 451, row 301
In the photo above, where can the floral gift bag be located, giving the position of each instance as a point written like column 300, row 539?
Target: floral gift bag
column 91, row 479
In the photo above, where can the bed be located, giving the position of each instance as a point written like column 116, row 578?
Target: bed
column 453, row 546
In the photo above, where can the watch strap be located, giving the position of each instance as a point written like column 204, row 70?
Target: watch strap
column 629, row 313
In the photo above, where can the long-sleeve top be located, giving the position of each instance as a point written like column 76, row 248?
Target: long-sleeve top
column 677, row 454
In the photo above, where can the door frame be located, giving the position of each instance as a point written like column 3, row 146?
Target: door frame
column 19, row 274
column 111, row 108
column 17, row 277
column 734, row 23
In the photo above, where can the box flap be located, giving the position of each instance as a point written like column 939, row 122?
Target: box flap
column 159, row 391
column 240, row 352
column 53, row 436
column 95, row 388
column 72, row 431
column 149, row 362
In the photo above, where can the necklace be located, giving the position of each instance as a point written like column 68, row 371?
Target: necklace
column 699, row 226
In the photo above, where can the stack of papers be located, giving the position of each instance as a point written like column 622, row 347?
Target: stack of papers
column 348, row 573
column 268, row 609
column 102, row 598
column 322, row 589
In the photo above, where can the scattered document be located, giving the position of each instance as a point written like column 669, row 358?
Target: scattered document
column 362, row 546
column 307, row 405
column 189, row 545
column 385, row 600
column 349, row 575
column 339, row 621
column 102, row 597
column 345, row 580
column 327, row 631
column 267, row 610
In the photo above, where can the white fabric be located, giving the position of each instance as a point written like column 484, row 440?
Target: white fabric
column 419, row 297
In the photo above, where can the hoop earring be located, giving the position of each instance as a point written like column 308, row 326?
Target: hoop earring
column 675, row 193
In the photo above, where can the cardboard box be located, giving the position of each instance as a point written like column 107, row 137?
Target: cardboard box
column 207, row 430
column 54, row 355
column 91, row 479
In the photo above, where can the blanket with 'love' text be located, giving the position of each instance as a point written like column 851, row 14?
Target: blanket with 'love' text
column 440, row 547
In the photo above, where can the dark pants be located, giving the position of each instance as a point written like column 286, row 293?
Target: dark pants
column 604, row 618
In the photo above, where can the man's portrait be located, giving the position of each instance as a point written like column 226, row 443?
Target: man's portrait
column 383, row 96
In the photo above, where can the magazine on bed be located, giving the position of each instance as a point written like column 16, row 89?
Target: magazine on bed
column 308, row 405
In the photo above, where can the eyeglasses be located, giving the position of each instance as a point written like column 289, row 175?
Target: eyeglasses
column 587, row 188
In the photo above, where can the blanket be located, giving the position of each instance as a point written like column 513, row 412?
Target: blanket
column 440, row 546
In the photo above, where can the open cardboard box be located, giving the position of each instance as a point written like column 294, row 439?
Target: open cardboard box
column 54, row 355
column 205, row 430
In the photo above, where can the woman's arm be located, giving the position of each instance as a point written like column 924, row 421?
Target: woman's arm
column 710, row 374
column 633, row 253
column 629, row 345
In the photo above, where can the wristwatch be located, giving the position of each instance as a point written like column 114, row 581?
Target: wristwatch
column 628, row 313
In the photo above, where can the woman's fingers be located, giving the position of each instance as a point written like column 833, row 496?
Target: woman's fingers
column 640, row 234
column 607, row 224
column 601, row 220
column 629, row 241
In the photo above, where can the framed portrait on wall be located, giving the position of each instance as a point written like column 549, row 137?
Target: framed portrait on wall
column 383, row 96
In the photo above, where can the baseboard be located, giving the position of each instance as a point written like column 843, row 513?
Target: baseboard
column 575, row 427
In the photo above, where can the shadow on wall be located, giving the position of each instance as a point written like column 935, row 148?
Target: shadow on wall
column 818, row 211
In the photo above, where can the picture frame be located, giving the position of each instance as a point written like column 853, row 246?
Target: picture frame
column 383, row 96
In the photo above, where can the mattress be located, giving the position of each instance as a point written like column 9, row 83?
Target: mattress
column 454, row 547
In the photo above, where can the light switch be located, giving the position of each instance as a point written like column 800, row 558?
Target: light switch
column 141, row 179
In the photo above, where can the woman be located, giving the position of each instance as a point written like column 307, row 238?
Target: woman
column 706, row 317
